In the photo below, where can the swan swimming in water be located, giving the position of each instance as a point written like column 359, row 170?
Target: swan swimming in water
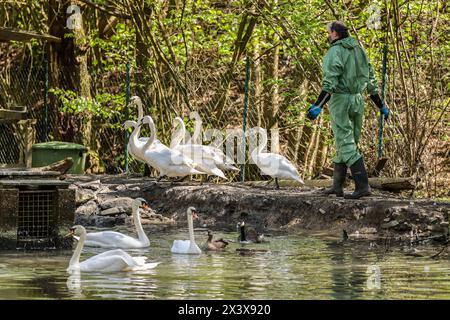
column 113, row 239
column 187, row 246
column 272, row 164
column 109, row 261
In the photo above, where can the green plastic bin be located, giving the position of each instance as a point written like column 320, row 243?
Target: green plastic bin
column 48, row 152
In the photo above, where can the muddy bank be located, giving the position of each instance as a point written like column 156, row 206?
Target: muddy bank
column 105, row 201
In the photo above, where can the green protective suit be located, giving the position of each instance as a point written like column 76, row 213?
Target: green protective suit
column 346, row 74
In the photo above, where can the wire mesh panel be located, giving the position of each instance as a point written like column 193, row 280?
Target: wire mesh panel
column 36, row 215
column 9, row 144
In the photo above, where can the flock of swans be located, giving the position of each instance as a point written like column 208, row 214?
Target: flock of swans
column 184, row 159
column 119, row 260
column 178, row 160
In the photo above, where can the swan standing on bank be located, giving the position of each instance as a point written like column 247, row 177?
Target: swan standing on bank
column 222, row 161
column 187, row 246
column 272, row 164
column 136, row 144
column 109, row 261
column 113, row 239
column 203, row 157
column 167, row 162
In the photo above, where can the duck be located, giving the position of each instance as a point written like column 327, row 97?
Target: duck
column 109, row 261
column 222, row 161
column 272, row 164
column 188, row 246
column 249, row 234
column 113, row 239
column 166, row 161
column 202, row 156
column 215, row 245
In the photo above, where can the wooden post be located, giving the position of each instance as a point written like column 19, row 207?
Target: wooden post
column 28, row 133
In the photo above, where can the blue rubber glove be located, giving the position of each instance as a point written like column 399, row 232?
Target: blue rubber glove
column 385, row 111
column 313, row 112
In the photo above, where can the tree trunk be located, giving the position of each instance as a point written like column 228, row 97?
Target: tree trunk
column 61, row 61
column 84, row 80
column 256, row 78
column 271, row 111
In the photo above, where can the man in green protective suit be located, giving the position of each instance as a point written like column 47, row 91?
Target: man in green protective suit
column 347, row 73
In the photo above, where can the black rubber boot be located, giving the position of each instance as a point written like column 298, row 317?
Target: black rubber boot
column 359, row 174
column 339, row 173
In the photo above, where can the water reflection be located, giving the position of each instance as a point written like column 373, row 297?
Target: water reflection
column 292, row 267
column 73, row 284
column 374, row 279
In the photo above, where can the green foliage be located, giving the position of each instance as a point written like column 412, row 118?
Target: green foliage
column 115, row 51
column 99, row 107
column 195, row 42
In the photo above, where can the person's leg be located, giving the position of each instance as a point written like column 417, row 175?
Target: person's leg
column 339, row 173
column 342, row 131
column 342, row 123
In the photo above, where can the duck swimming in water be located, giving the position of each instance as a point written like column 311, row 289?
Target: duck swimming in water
column 249, row 234
column 215, row 245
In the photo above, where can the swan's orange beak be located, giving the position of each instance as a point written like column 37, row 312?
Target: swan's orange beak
column 145, row 206
column 70, row 234
column 195, row 215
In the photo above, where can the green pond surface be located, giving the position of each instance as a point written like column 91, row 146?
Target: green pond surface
column 295, row 266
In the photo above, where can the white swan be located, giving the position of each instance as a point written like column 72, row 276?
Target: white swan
column 272, row 164
column 109, row 261
column 204, row 158
column 187, row 246
column 136, row 144
column 222, row 161
column 113, row 239
column 166, row 161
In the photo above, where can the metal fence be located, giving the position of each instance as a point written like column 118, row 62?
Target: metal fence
column 34, row 88
column 22, row 86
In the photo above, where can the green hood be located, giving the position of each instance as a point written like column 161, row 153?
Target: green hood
column 346, row 69
column 348, row 43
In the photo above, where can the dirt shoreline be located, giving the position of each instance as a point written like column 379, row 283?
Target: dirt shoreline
column 104, row 201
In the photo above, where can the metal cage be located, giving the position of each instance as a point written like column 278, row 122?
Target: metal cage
column 36, row 218
column 34, row 212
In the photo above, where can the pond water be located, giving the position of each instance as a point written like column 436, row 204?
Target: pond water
column 295, row 266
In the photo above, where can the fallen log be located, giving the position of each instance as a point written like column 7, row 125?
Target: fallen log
column 388, row 184
column 328, row 171
column 61, row 166
column 393, row 184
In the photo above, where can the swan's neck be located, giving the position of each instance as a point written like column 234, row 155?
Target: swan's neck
column 191, row 229
column 134, row 137
column 151, row 139
column 197, row 131
column 179, row 134
column 210, row 238
column 137, row 223
column 140, row 110
column 75, row 260
column 262, row 143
